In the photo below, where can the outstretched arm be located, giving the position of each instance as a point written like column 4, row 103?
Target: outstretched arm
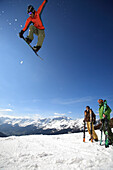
column 41, row 6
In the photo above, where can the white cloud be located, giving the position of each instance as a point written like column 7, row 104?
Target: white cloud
column 59, row 114
column 15, row 117
column 28, row 116
column 30, row 101
column 73, row 101
column 6, row 110
column 69, row 112
column 36, row 116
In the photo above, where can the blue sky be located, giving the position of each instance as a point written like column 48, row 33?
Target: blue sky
column 78, row 58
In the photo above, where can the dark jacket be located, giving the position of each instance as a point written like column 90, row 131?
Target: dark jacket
column 87, row 116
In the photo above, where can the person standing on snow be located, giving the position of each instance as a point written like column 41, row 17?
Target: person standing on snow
column 87, row 119
column 102, row 119
column 37, row 27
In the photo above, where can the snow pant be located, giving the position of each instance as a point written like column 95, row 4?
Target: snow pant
column 110, row 134
column 93, row 131
column 38, row 32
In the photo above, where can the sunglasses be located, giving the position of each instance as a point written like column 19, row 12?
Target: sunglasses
column 30, row 13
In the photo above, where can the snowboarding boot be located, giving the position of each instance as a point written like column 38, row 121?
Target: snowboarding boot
column 28, row 40
column 110, row 143
column 90, row 139
column 36, row 48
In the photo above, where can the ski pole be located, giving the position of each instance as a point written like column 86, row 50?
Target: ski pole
column 91, row 120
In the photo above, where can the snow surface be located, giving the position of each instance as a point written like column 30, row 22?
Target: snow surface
column 60, row 152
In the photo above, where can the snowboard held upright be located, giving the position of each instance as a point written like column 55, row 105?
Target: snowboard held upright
column 84, row 127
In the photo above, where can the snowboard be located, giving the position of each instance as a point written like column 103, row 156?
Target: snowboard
column 106, row 125
column 33, row 49
column 84, row 130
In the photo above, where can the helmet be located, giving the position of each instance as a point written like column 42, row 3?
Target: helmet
column 100, row 101
column 30, row 8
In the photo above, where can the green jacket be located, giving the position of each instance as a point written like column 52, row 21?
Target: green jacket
column 107, row 112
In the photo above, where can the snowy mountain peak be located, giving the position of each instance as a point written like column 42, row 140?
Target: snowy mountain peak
column 57, row 124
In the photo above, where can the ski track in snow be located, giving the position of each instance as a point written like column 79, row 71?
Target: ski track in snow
column 60, row 152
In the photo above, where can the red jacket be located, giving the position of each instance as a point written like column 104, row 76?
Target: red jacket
column 36, row 20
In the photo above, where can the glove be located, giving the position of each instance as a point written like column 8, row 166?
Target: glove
column 21, row 34
column 104, row 115
column 94, row 121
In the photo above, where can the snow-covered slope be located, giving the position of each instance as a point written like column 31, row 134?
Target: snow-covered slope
column 56, row 125
column 60, row 152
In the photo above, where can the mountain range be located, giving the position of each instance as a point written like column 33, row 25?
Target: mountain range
column 47, row 126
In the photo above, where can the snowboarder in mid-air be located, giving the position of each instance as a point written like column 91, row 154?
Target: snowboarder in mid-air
column 37, row 27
